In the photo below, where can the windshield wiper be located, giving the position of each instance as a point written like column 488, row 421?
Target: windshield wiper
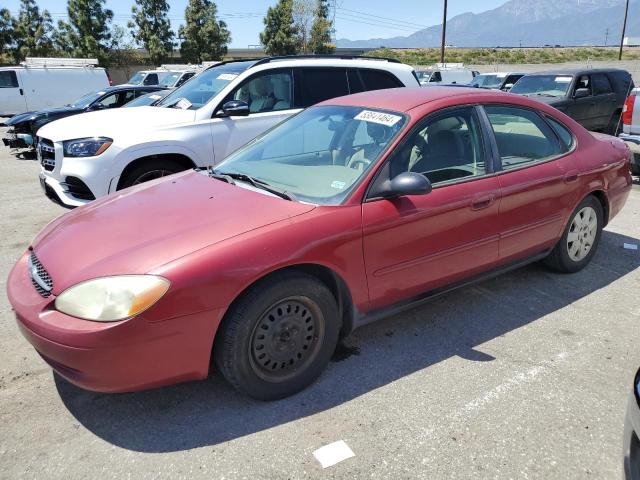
column 261, row 184
column 546, row 95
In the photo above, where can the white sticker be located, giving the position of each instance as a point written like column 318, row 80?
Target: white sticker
column 631, row 246
column 378, row 117
column 227, row 76
column 184, row 104
column 337, row 184
column 563, row 79
column 155, row 97
column 333, row 453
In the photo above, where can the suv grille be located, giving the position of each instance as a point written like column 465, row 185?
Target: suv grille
column 47, row 154
column 39, row 276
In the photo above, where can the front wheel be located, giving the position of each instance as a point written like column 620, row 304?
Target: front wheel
column 278, row 337
column 151, row 170
column 580, row 239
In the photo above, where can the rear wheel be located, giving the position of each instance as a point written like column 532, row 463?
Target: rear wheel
column 580, row 238
column 278, row 338
column 151, row 170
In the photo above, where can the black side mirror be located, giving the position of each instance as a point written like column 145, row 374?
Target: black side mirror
column 407, row 183
column 97, row 106
column 235, row 108
column 581, row 93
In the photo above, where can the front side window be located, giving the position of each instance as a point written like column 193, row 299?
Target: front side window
column 268, row 91
column 320, row 84
column 151, row 79
column 110, row 101
column 522, row 136
column 8, row 79
column 436, row 77
column 584, row 82
column 545, row 85
column 205, row 86
column 319, row 155
column 445, row 148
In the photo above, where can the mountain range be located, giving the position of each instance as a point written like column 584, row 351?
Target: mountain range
column 528, row 23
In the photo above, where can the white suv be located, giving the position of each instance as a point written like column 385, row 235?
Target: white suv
column 90, row 155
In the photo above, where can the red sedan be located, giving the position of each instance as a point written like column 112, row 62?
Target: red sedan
column 345, row 213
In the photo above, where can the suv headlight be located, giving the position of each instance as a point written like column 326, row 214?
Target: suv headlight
column 109, row 299
column 86, row 147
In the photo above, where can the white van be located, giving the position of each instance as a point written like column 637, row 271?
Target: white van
column 445, row 74
column 41, row 83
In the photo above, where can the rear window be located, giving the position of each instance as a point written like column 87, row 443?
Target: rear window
column 319, row 84
column 379, row 79
column 8, row 79
column 601, row 84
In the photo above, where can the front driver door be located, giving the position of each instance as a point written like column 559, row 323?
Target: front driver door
column 583, row 110
column 269, row 95
column 417, row 243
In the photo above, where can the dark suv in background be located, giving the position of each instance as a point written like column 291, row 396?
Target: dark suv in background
column 592, row 97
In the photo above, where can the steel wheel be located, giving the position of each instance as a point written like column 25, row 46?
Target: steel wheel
column 285, row 339
column 152, row 175
column 582, row 234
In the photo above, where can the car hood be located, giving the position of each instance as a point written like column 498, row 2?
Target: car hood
column 110, row 123
column 545, row 99
column 142, row 228
column 42, row 114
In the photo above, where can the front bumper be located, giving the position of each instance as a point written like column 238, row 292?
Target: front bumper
column 632, row 434
column 18, row 140
column 130, row 355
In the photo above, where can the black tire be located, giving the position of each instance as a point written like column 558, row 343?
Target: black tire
column 560, row 258
column 269, row 320
column 150, row 170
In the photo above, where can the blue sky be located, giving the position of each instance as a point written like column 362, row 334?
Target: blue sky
column 356, row 19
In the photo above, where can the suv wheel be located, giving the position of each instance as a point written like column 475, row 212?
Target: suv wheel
column 150, row 171
column 580, row 238
column 278, row 338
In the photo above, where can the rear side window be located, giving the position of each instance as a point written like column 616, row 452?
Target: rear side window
column 563, row 132
column 522, row 136
column 319, row 84
column 8, row 79
column 601, row 84
column 435, row 77
column 379, row 79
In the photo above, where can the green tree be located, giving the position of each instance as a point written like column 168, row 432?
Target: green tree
column 6, row 35
column 320, row 41
column 33, row 32
column 280, row 36
column 122, row 51
column 151, row 28
column 203, row 36
column 87, row 33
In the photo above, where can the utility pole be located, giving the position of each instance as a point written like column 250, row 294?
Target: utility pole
column 624, row 29
column 444, row 31
column 606, row 36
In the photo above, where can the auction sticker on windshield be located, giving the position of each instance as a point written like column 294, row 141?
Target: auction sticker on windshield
column 563, row 79
column 226, row 76
column 378, row 117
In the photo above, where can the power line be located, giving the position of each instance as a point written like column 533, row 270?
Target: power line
column 386, row 19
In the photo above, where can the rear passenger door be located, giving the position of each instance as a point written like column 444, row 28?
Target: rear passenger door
column 12, row 99
column 537, row 173
column 605, row 99
column 317, row 84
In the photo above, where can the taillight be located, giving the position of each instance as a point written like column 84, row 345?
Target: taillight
column 109, row 78
column 627, row 110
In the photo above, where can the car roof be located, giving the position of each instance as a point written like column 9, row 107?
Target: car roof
column 320, row 61
column 407, row 98
column 577, row 71
column 124, row 86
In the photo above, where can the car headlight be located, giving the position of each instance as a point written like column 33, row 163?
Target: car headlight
column 109, row 299
column 86, row 147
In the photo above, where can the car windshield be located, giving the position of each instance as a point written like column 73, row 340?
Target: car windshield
column 148, row 99
column 136, row 79
column 319, row 155
column 488, row 81
column 200, row 89
column 424, row 75
column 171, row 79
column 87, row 100
column 552, row 85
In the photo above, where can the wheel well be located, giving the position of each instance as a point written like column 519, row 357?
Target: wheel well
column 328, row 277
column 602, row 198
column 183, row 160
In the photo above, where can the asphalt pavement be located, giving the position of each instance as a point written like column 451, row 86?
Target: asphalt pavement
column 524, row 376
